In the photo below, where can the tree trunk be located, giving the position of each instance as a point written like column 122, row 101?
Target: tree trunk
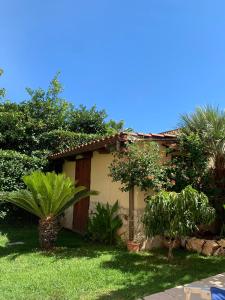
column 131, row 214
column 48, row 231
column 170, row 251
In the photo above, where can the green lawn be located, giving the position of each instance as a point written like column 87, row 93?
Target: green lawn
column 80, row 270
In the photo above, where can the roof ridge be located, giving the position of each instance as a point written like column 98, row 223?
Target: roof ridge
column 109, row 139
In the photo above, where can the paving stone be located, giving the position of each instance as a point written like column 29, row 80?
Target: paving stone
column 177, row 293
column 159, row 296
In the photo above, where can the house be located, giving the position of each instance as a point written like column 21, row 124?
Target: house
column 89, row 165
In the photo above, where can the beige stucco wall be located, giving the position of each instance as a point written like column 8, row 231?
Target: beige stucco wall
column 69, row 168
column 100, row 181
column 139, row 198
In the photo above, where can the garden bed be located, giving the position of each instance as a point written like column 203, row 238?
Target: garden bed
column 204, row 246
column 207, row 247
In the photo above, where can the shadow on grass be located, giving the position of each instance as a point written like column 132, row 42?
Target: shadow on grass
column 151, row 272
column 69, row 244
column 143, row 274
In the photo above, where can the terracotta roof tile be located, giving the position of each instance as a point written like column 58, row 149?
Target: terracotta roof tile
column 108, row 140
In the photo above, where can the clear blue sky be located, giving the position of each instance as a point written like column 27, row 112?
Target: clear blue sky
column 144, row 61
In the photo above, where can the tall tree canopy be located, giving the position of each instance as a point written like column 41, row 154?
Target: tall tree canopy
column 45, row 112
column 44, row 122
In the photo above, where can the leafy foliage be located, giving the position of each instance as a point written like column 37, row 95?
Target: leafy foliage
column 139, row 165
column 209, row 124
column 189, row 164
column 92, row 121
column 14, row 165
column 104, row 224
column 47, row 108
column 58, row 140
column 175, row 215
column 28, row 126
column 44, row 122
column 2, row 90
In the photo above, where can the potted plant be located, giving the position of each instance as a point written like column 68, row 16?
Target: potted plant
column 133, row 246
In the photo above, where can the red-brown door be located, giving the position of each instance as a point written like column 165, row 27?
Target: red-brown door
column 80, row 212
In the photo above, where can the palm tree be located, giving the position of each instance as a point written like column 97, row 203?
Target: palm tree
column 209, row 124
column 47, row 196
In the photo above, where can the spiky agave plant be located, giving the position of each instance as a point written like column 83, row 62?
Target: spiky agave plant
column 47, row 196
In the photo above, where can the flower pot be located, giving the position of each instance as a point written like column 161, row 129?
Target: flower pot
column 133, row 246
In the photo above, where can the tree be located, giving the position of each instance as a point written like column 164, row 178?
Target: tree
column 209, row 124
column 59, row 140
column 113, row 127
column 46, row 110
column 175, row 215
column 92, row 121
column 47, row 196
column 45, row 113
column 139, row 164
column 189, row 164
column 2, row 90
column 47, row 122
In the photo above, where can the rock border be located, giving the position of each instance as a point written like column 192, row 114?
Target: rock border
column 204, row 247
column 201, row 246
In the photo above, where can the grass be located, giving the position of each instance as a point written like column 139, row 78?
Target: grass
column 81, row 270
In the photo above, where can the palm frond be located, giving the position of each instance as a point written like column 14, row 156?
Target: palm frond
column 47, row 194
column 209, row 123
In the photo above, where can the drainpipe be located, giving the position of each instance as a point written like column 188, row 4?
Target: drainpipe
column 131, row 213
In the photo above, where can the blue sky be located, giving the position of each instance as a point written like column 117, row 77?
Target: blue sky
column 144, row 61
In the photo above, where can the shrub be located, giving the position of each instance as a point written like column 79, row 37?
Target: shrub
column 13, row 166
column 58, row 140
column 104, row 224
column 174, row 215
column 190, row 164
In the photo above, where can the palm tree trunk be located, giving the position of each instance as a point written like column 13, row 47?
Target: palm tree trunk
column 48, row 231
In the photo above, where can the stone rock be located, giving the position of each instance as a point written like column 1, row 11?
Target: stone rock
column 194, row 244
column 210, row 247
column 152, row 243
column 219, row 252
column 183, row 242
column 221, row 243
column 176, row 245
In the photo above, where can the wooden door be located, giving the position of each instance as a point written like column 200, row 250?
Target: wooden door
column 80, row 212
